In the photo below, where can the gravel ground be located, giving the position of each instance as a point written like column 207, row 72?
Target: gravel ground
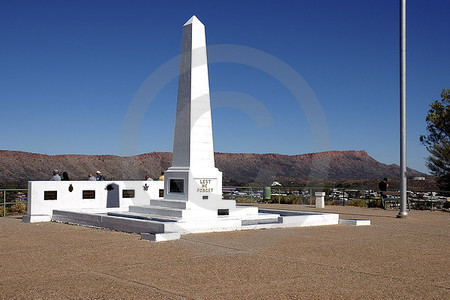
column 391, row 259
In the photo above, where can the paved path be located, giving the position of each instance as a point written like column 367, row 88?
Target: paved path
column 392, row 259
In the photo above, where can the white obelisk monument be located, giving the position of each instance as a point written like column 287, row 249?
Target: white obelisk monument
column 192, row 186
column 193, row 176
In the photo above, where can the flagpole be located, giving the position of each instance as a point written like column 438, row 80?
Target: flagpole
column 403, row 178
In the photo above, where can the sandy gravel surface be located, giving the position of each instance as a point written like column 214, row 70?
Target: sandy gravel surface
column 391, row 259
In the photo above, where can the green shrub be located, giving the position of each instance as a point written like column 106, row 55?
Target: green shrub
column 244, row 199
column 375, row 203
column 1, row 211
column 18, row 209
column 290, row 199
column 356, row 202
column 331, row 202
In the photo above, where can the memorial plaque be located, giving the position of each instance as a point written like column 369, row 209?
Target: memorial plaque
column 205, row 197
column 50, row 195
column 128, row 194
column 161, row 192
column 223, row 212
column 89, row 194
column 176, row 185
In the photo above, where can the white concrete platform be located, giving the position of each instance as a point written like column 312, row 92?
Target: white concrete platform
column 162, row 228
column 36, row 218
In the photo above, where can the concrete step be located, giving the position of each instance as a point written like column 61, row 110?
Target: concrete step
column 157, row 210
column 109, row 222
column 160, row 237
column 354, row 222
column 168, row 203
column 142, row 216
column 87, row 219
column 265, row 220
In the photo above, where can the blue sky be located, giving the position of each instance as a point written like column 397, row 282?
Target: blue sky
column 71, row 69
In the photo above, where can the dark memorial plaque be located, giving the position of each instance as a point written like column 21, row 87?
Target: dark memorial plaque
column 161, row 192
column 176, row 186
column 50, row 195
column 89, row 194
column 223, row 212
column 128, row 194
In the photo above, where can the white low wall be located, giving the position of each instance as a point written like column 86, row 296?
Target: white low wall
column 87, row 195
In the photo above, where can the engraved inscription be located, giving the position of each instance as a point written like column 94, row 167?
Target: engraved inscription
column 205, row 186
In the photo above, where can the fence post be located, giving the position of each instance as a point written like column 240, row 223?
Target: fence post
column 320, row 199
column 4, row 203
column 267, row 193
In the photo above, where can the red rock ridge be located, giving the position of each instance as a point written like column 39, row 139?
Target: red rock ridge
column 240, row 167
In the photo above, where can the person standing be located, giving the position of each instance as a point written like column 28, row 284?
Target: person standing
column 56, row 176
column 65, row 177
column 382, row 186
column 100, row 177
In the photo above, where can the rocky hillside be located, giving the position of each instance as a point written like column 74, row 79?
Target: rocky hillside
column 331, row 165
column 237, row 168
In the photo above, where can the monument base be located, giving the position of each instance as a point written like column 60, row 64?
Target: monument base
column 155, row 227
column 194, row 194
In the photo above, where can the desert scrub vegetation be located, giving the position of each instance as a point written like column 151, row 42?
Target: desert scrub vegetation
column 292, row 199
column 356, row 202
column 375, row 203
column 17, row 209
column 246, row 199
column 331, row 202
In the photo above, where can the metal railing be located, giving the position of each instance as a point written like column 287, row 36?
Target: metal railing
column 13, row 201
column 335, row 196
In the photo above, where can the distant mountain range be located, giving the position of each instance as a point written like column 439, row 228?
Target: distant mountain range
column 237, row 168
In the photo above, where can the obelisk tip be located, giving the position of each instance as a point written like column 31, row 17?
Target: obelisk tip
column 193, row 19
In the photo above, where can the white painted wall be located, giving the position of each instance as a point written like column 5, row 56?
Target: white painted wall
column 40, row 210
